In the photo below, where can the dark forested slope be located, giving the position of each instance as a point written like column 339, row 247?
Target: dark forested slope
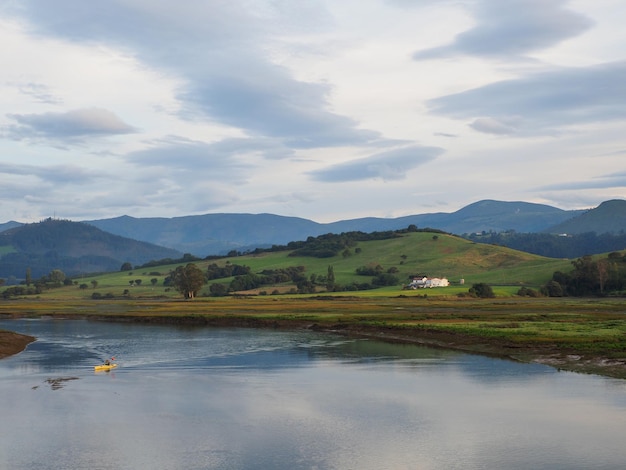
column 73, row 247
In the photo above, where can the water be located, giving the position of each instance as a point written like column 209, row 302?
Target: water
column 205, row 398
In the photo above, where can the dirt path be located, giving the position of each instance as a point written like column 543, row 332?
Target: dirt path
column 13, row 343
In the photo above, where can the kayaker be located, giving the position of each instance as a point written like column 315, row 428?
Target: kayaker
column 107, row 363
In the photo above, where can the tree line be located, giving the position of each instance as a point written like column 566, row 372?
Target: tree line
column 553, row 246
column 590, row 277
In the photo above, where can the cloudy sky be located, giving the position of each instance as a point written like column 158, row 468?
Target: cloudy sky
column 322, row 109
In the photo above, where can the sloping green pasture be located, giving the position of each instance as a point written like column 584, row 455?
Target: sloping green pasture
column 421, row 253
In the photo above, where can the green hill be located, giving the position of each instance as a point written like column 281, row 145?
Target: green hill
column 608, row 217
column 417, row 253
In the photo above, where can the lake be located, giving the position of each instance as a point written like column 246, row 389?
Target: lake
column 227, row 398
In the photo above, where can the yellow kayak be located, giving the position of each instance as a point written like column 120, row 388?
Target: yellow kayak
column 105, row 367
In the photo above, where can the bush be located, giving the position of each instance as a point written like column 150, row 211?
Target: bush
column 526, row 292
column 552, row 289
column 218, row 290
column 481, row 290
column 385, row 279
column 369, row 270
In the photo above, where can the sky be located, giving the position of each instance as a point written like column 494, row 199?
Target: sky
column 321, row 109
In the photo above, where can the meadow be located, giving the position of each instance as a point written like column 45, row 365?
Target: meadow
column 420, row 253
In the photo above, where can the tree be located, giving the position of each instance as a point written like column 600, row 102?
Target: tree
column 187, row 280
column 218, row 290
column 56, row 277
column 126, row 267
column 482, row 290
column 94, row 283
column 330, row 279
column 603, row 273
column 29, row 278
column 552, row 289
column 385, row 279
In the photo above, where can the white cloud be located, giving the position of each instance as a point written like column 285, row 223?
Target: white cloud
column 391, row 165
column 71, row 124
column 488, row 125
column 547, row 100
column 513, row 27
column 314, row 109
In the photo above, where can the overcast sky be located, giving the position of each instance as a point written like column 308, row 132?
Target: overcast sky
column 321, row 109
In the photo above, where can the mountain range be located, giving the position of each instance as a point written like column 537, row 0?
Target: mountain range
column 101, row 245
column 211, row 234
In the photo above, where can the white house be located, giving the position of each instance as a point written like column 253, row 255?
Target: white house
column 428, row 282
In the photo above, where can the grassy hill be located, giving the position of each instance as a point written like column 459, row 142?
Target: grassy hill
column 424, row 253
column 608, row 217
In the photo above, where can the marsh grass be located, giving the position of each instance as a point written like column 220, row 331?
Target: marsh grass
column 528, row 329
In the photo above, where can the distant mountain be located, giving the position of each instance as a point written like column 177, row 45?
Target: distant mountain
column 212, row 234
column 496, row 216
column 72, row 247
column 217, row 234
column 608, row 217
column 8, row 225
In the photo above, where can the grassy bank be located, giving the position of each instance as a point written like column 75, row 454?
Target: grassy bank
column 585, row 335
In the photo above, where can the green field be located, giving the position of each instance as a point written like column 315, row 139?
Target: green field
column 437, row 255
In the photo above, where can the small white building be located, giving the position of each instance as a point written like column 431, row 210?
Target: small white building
column 428, row 282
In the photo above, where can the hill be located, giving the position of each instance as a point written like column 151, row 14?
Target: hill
column 217, row 234
column 499, row 216
column 212, row 234
column 608, row 217
column 407, row 255
column 72, row 247
column 9, row 225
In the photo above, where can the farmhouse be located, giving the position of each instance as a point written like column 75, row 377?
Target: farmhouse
column 428, row 282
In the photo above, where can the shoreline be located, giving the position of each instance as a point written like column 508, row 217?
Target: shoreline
column 578, row 335
column 12, row 343
column 551, row 355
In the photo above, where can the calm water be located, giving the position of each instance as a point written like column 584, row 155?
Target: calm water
column 200, row 398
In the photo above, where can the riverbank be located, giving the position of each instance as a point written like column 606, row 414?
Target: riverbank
column 13, row 343
column 582, row 335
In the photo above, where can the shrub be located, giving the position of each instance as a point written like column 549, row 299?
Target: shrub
column 526, row 292
column 385, row 279
column 481, row 290
column 552, row 289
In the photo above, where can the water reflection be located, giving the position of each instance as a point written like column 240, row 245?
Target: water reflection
column 236, row 399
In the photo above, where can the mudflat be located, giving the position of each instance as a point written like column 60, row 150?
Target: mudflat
column 13, row 343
